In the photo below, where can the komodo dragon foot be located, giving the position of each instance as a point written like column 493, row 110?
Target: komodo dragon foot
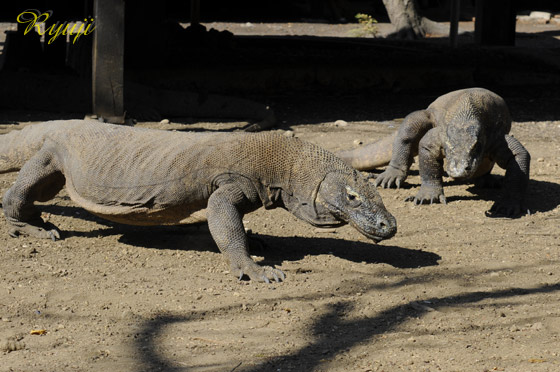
column 260, row 273
column 42, row 230
column 268, row 122
column 432, row 194
column 507, row 208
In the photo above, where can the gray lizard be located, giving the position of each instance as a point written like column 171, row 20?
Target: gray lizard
column 469, row 128
column 151, row 177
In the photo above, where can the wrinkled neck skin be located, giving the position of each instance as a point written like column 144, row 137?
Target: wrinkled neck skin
column 309, row 210
column 464, row 147
column 342, row 198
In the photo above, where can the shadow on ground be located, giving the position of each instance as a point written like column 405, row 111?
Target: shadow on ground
column 326, row 345
column 274, row 249
column 277, row 250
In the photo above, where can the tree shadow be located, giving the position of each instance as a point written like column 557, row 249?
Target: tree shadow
column 326, row 345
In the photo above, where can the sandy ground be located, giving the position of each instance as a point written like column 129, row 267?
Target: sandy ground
column 454, row 290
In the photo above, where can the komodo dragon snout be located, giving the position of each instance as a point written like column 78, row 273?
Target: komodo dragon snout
column 464, row 147
column 350, row 198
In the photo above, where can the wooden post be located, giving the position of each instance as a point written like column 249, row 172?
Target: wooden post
column 454, row 22
column 195, row 12
column 108, row 60
column 495, row 22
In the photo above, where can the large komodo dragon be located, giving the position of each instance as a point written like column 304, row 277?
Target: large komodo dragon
column 151, row 177
column 469, row 128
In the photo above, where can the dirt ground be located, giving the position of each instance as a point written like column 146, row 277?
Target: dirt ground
column 454, row 290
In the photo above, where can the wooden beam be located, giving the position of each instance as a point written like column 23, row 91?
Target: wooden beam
column 454, row 22
column 108, row 60
column 195, row 12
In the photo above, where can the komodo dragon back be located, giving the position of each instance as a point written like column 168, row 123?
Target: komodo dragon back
column 151, row 177
column 18, row 146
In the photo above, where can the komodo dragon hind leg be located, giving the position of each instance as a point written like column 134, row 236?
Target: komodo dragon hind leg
column 38, row 180
column 226, row 226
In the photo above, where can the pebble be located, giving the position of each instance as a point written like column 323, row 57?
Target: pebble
column 340, row 123
column 544, row 15
column 164, row 121
column 540, row 160
column 289, row 133
column 358, row 142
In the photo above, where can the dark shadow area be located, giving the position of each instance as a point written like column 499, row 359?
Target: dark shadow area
column 541, row 196
column 277, row 250
column 327, row 343
column 304, row 79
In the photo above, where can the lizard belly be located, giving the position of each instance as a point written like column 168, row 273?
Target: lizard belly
column 147, row 213
column 176, row 215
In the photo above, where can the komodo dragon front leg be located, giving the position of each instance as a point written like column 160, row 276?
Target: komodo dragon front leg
column 430, row 158
column 226, row 226
column 510, row 155
column 39, row 179
column 405, row 147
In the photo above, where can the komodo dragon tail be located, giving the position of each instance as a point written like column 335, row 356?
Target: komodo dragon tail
column 370, row 156
column 18, row 146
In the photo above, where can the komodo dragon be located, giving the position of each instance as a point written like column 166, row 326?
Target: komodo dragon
column 151, row 177
column 470, row 129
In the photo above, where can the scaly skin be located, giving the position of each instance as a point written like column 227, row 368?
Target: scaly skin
column 469, row 128
column 150, row 177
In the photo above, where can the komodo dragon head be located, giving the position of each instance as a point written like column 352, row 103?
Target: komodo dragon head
column 464, row 148
column 346, row 197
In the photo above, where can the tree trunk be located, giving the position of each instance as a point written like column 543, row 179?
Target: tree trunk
column 408, row 23
column 405, row 18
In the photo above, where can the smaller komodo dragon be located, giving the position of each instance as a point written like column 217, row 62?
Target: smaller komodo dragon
column 469, row 128
column 152, row 177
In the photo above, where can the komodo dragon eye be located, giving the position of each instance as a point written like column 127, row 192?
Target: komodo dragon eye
column 353, row 197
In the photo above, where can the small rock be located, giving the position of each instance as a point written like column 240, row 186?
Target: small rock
column 542, row 15
column 537, row 326
column 358, row 142
column 514, row 328
column 340, row 123
column 289, row 133
column 540, row 160
column 164, row 121
column 127, row 314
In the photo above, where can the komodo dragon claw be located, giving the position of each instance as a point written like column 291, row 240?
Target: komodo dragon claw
column 35, row 231
column 263, row 273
